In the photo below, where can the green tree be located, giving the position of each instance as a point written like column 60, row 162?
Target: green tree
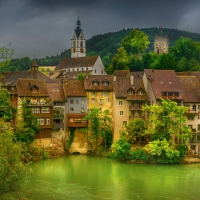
column 135, row 42
column 7, row 111
column 166, row 119
column 182, row 65
column 6, row 54
column 14, row 171
column 135, row 130
column 120, row 61
column 100, row 125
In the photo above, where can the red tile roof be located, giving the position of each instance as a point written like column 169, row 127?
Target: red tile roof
column 55, row 91
column 164, row 81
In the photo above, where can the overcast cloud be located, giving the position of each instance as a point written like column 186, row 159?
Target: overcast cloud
column 44, row 27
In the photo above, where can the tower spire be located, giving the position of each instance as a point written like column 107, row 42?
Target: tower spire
column 78, row 21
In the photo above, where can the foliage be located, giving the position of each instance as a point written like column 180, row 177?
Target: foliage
column 44, row 153
column 6, row 54
column 162, row 152
column 14, row 172
column 28, row 127
column 135, row 42
column 139, row 154
column 7, row 111
column 100, row 125
column 120, row 149
column 135, row 130
column 167, row 119
column 183, row 149
column 120, row 61
column 70, row 139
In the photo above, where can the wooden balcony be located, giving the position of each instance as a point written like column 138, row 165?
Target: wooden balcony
column 79, row 124
column 136, row 117
column 76, row 120
column 135, row 107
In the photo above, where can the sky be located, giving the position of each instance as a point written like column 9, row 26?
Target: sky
column 40, row 28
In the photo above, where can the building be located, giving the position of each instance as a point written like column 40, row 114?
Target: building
column 161, row 44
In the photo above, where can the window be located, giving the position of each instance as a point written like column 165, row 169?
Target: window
column 58, row 103
column 121, row 113
column 130, row 92
column 35, row 110
column 132, row 113
column 190, row 126
column 198, row 116
column 105, row 83
column 82, row 102
column 93, row 93
column 104, row 93
column 198, row 107
column 76, row 101
column 187, row 105
column 170, row 94
column 45, row 110
column 190, row 117
column 124, row 123
column 81, row 44
column 82, row 69
column 82, row 109
column 176, row 94
column 87, row 68
column 100, row 101
column 102, row 71
column 140, row 103
column 71, row 101
column 198, row 127
column 164, row 94
column 71, row 109
column 194, row 107
column 95, row 71
column 140, row 92
column 108, row 100
column 93, row 100
column 47, row 121
column 95, row 83
column 120, row 103
column 40, row 121
column 34, row 90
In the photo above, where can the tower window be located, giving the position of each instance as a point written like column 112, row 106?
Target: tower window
column 74, row 43
column 81, row 44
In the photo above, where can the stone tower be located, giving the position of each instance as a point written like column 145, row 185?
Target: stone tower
column 161, row 44
column 78, row 42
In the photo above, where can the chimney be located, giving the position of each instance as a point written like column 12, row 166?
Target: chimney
column 132, row 79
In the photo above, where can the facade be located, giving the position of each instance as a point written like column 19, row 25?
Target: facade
column 76, row 110
column 34, row 92
column 161, row 44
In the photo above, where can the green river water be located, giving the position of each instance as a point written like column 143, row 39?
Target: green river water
column 86, row 177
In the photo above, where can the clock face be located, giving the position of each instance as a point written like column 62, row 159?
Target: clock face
column 74, row 50
column 81, row 50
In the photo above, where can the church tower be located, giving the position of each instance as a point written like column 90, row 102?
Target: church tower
column 78, row 42
column 161, row 44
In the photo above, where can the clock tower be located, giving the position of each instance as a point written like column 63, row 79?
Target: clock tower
column 78, row 42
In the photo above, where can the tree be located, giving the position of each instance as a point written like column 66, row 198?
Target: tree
column 119, row 61
column 6, row 54
column 7, row 111
column 166, row 119
column 135, row 130
column 99, row 125
column 135, row 42
column 14, row 171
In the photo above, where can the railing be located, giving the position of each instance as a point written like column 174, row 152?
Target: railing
column 135, row 107
column 77, row 124
column 58, row 116
column 39, row 104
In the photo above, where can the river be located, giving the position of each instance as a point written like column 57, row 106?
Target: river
column 86, row 177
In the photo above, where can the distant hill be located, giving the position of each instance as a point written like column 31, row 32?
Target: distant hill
column 105, row 45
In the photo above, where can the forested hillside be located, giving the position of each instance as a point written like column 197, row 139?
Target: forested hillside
column 105, row 45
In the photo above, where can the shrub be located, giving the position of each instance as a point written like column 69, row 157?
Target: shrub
column 139, row 154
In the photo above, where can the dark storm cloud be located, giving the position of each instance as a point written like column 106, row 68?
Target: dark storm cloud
column 44, row 27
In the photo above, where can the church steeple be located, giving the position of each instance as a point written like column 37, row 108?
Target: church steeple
column 78, row 42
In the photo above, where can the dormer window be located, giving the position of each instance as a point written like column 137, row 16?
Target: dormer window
column 34, row 90
column 95, row 82
column 105, row 82
column 130, row 92
column 140, row 92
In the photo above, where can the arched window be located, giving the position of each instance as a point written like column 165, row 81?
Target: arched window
column 81, row 44
column 74, row 43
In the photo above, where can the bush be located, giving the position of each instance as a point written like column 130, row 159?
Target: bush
column 139, row 154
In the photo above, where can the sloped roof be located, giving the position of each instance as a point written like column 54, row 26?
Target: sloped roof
column 24, row 88
column 55, row 91
column 164, row 81
column 87, row 61
column 89, row 80
column 33, row 74
column 191, row 88
column 74, row 88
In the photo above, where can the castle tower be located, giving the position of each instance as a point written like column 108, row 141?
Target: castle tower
column 78, row 42
column 161, row 44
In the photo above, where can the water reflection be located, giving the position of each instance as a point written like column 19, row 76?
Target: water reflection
column 86, row 177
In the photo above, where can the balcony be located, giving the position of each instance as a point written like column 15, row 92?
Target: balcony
column 136, row 117
column 192, row 112
column 43, row 104
column 77, row 123
column 135, row 107
column 58, row 116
